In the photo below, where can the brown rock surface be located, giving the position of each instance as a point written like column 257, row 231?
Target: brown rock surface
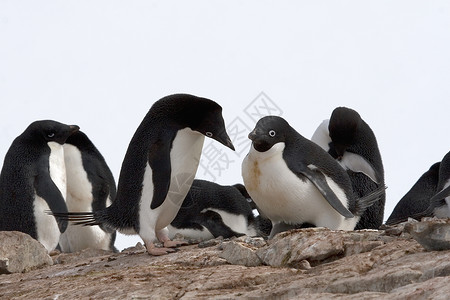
column 366, row 265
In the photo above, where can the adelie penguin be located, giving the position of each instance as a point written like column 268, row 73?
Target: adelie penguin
column 33, row 181
column 158, row 169
column 211, row 210
column 90, row 187
column 293, row 181
column 417, row 199
column 439, row 205
column 351, row 141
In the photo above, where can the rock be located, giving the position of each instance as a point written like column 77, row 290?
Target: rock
column 239, row 254
column 432, row 234
column 138, row 248
column 316, row 245
column 371, row 265
column 210, row 243
column 252, row 241
column 19, row 252
column 64, row 258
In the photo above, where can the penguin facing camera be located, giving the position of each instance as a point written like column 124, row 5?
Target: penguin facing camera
column 33, row 181
column 293, row 181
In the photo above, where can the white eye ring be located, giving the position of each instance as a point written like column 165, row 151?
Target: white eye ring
column 50, row 135
column 209, row 134
column 272, row 133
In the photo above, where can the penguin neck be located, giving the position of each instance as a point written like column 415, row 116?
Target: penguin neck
column 276, row 150
column 185, row 154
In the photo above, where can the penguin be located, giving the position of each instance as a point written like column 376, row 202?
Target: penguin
column 211, row 210
column 90, row 187
column 439, row 205
column 264, row 224
column 33, row 180
column 351, row 141
column 294, row 181
column 417, row 199
column 159, row 168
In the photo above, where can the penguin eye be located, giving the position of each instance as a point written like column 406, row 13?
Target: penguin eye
column 272, row 133
column 209, row 134
column 50, row 135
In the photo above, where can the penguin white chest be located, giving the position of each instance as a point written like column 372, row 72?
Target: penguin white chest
column 184, row 159
column 46, row 226
column 282, row 196
column 79, row 188
column 79, row 199
column 57, row 166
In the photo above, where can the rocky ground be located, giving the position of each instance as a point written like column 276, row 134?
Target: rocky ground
column 311, row 263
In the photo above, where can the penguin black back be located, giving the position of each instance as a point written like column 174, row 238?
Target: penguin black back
column 354, row 144
column 440, row 202
column 417, row 199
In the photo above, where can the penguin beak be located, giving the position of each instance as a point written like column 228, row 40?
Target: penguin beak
column 254, row 134
column 73, row 128
column 224, row 139
column 340, row 150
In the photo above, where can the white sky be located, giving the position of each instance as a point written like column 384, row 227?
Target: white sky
column 101, row 65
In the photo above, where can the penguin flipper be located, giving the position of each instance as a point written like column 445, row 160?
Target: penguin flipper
column 435, row 201
column 444, row 193
column 47, row 190
column 318, row 179
column 357, row 163
column 159, row 161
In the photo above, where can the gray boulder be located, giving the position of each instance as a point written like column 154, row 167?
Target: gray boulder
column 19, row 253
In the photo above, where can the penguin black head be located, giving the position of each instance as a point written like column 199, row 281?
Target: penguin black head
column 199, row 114
column 50, row 131
column 269, row 131
column 344, row 124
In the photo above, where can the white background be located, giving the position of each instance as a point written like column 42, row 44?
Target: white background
column 101, row 65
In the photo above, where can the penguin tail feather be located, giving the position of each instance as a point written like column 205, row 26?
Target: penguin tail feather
column 368, row 200
column 78, row 218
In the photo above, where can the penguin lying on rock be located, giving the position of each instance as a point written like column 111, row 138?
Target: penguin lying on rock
column 90, row 187
column 350, row 140
column 439, row 203
column 294, row 181
column 159, row 168
column 33, row 181
column 211, row 210
column 417, row 199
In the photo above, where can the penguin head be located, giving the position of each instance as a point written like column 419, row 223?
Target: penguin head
column 269, row 131
column 199, row 114
column 344, row 124
column 51, row 131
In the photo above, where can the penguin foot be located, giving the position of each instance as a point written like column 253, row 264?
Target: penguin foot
column 173, row 244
